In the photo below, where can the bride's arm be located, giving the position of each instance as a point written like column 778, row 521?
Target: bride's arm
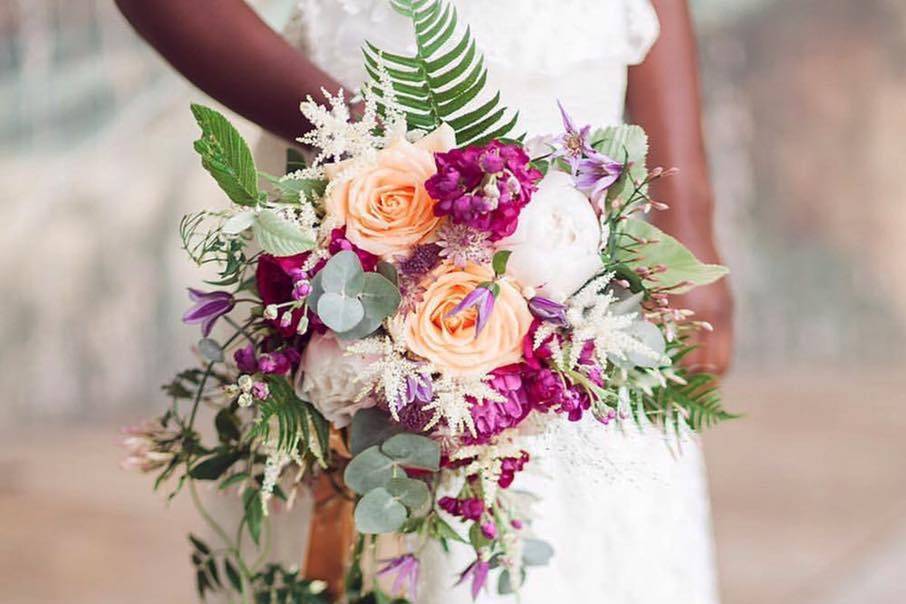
column 222, row 47
column 663, row 97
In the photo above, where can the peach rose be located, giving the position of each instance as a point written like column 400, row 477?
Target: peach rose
column 449, row 341
column 385, row 207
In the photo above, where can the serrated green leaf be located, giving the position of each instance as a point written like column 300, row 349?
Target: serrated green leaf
column 226, row 155
column 280, row 237
column 626, row 143
column 379, row 512
column 682, row 265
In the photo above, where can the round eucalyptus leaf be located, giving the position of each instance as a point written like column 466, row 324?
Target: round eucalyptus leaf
column 378, row 512
column 652, row 338
column 379, row 295
column 536, row 552
column 339, row 312
column 388, row 271
column 413, row 451
column 210, row 350
column 629, row 305
column 368, row 470
column 370, row 427
column 343, row 275
column 317, row 290
column 411, row 493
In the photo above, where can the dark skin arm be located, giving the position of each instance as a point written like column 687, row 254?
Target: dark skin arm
column 225, row 49
column 222, row 47
column 664, row 98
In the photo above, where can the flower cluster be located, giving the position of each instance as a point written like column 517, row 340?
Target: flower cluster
column 402, row 311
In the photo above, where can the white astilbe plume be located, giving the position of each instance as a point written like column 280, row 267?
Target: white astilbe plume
column 592, row 318
column 334, row 132
column 452, row 405
column 487, row 463
column 387, row 374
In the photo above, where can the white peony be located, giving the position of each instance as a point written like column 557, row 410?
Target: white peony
column 556, row 244
column 328, row 378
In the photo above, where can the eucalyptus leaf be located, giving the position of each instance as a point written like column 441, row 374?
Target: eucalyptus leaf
column 210, row 350
column 340, row 313
column 389, row 272
column 343, row 274
column 536, row 552
column 370, row 427
column 226, row 155
column 651, row 337
column 682, row 265
column 410, row 492
column 381, row 299
column 413, row 451
column 379, row 512
column 368, row 470
column 278, row 236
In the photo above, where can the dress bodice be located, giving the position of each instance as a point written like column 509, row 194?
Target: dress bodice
column 536, row 51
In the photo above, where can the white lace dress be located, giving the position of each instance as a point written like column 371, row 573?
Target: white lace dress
column 626, row 513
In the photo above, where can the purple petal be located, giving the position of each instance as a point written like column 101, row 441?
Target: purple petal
column 204, row 310
column 567, row 121
column 485, row 308
column 472, row 299
column 479, row 578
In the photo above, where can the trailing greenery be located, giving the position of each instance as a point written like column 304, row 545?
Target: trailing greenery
column 439, row 82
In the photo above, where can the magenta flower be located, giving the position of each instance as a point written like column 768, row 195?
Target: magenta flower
column 407, row 570
column 493, row 417
column 482, row 298
column 209, row 306
column 484, row 187
column 478, row 570
column 596, row 173
column 548, row 310
column 573, row 143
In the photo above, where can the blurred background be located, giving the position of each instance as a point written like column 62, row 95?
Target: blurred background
column 805, row 125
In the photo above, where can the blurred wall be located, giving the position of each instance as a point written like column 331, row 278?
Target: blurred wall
column 803, row 111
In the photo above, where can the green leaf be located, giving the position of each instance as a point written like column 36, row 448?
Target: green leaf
column 445, row 75
column 199, row 544
column 340, row 313
column 225, row 154
column 239, row 222
column 254, row 513
column 227, row 425
column 213, row 467
column 233, row 480
column 292, row 189
column 368, row 470
column 294, row 160
column 499, row 262
column 378, row 512
column 626, row 143
column 232, row 574
column 682, row 265
column 343, row 274
column 210, row 350
column 442, row 530
column 536, row 552
column 278, row 236
column 370, row 427
column 410, row 492
column 413, row 451
column 389, row 272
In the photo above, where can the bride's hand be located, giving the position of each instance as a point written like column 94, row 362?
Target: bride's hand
column 713, row 304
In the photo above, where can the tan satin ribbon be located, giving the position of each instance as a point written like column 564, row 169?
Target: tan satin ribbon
column 332, row 530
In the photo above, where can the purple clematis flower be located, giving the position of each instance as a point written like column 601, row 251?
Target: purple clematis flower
column 595, row 173
column 482, row 298
column 209, row 306
column 548, row 310
column 573, row 143
column 407, row 570
column 479, row 572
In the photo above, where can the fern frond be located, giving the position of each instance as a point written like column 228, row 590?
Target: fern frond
column 439, row 84
column 295, row 420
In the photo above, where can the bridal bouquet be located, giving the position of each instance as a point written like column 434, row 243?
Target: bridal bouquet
column 404, row 310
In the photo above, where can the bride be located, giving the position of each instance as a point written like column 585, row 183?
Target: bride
column 626, row 510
